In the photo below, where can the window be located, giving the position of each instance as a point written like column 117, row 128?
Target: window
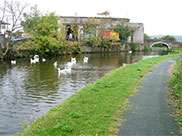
column 3, row 26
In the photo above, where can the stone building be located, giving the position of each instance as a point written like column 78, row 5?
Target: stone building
column 138, row 35
column 3, row 33
column 79, row 24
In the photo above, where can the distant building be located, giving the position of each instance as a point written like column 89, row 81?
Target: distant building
column 80, row 24
column 3, row 27
column 3, row 33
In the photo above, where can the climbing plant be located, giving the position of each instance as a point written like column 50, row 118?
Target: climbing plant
column 94, row 28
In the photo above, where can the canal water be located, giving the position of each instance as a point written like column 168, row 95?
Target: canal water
column 30, row 90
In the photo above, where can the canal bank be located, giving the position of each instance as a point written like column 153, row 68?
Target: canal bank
column 96, row 108
column 26, row 49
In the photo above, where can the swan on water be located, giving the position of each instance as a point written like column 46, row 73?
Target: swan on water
column 13, row 62
column 66, row 70
column 43, row 59
column 73, row 60
column 32, row 61
column 55, row 64
column 69, row 64
column 85, row 59
column 36, row 56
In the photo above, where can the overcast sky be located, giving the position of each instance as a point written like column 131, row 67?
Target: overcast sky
column 158, row 16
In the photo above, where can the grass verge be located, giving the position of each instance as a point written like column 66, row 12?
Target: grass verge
column 176, row 83
column 95, row 109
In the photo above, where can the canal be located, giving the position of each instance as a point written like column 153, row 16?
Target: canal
column 30, row 90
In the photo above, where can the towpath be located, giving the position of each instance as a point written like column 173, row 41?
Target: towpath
column 149, row 113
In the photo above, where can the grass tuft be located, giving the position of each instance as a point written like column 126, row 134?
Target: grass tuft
column 175, row 82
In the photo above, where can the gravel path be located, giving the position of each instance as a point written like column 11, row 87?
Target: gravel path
column 149, row 113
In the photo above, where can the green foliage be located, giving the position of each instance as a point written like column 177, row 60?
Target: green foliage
column 70, row 49
column 106, row 43
column 160, row 46
column 177, row 50
column 31, row 20
column 175, row 82
column 46, row 44
column 90, row 28
column 147, row 48
column 99, row 42
column 44, row 30
column 93, row 29
column 168, row 38
column 124, row 31
column 146, row 37
column 89, row 41
column 95, row 109
column 135, row 46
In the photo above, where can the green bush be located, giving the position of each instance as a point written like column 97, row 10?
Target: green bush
column 46, row 44
column 76, row 49
column 147, row 49
column 135, row 46
column 106, row 43
column 89, row 41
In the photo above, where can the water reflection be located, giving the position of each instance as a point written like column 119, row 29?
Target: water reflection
column 29, row 90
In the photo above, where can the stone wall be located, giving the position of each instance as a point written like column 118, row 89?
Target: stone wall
column 114, row 48
column 138, row 35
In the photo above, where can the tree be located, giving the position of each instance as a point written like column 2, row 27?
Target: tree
column 105, row 13
column 31, row 20
column 94, row 28
column 13, row 11
column 124, row 31
column 146, row 37
column 44, row 29
column 168, row 38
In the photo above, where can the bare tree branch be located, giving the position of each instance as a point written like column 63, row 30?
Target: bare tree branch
column 13, row 10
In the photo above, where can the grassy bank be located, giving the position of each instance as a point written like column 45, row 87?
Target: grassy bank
column 176, row 83
column 96, row 109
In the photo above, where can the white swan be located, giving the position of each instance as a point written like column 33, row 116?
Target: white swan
column 85, row 59
column 69, row 64
column 73, row 60
column 36, row 59
column 61, row 71
column 32, row 61
column 55, row 64
column 13, row 62
column 36, row 56
column 130, row 51
column 66, row 70
column 43, row 59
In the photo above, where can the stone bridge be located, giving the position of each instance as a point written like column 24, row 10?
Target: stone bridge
column 168, row 44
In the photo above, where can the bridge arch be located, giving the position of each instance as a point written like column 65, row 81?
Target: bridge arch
column 164, row 43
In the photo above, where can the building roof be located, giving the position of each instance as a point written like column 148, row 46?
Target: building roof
column 81, row 17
